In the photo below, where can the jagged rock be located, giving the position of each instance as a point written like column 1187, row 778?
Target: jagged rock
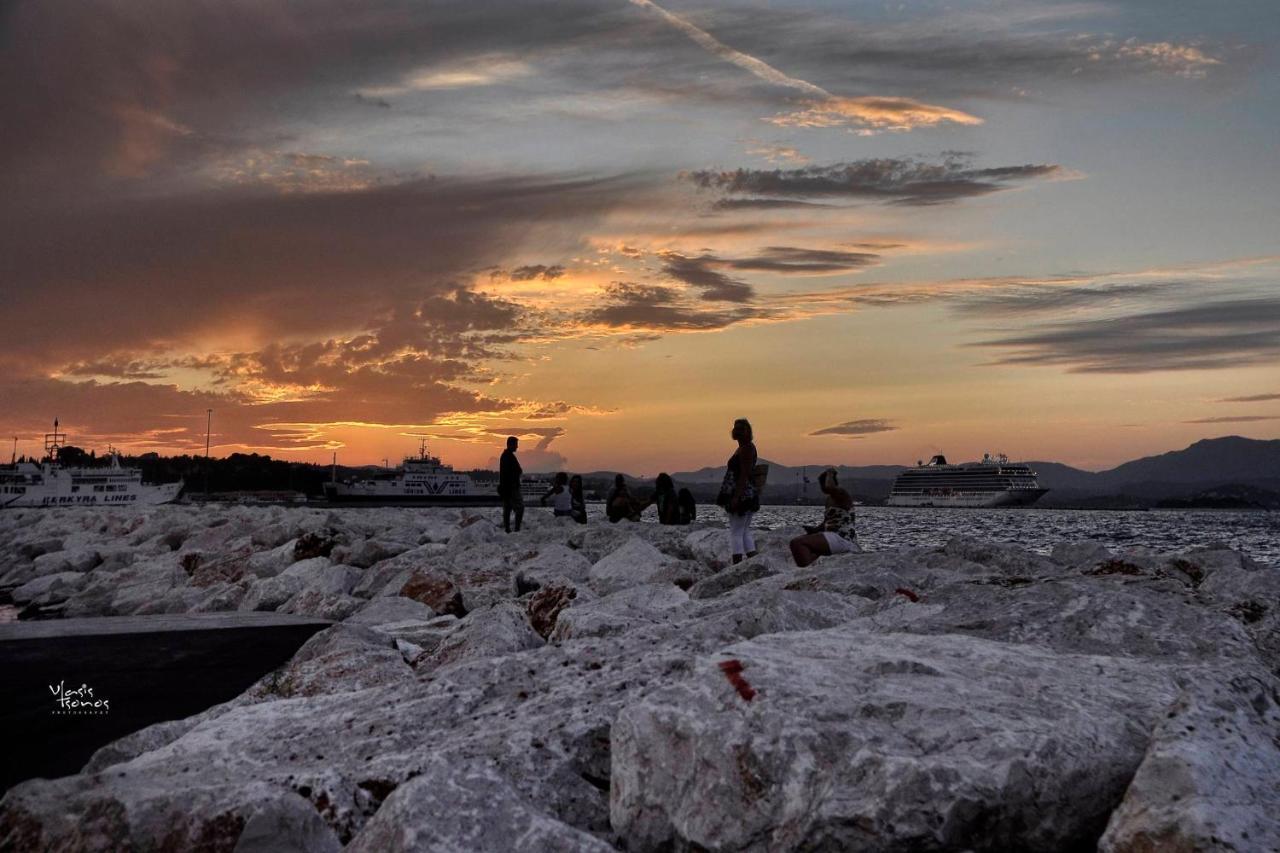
column 498, row 630
column 349, row 722
column 619, row 612
column 368, row 552
column 733, row 577
column 58, row 562
column 319, row 575
column 31, row 550
column 220, row 597
column 545, row 605
column 1079, row 555
column 334, row 606
column 764, row 607
column 1093, row 616
column 381, row 575
column 271, row 592
column 435, row 591
column 1005, row 559
column 49, row 589
column 205, row 571
column 266, row 564
column 474, row 535
column 339, row 659
column 467, row 807
column 140, row 588
column 391, row 609
column 1210, row 779
column 635, row 562
column 272, row 536
column 555, row 560
column 842, row 739
column 711, row 547
column 425, row 635
column 286, row 824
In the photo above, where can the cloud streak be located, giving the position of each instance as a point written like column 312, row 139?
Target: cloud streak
column 820, row 108
column 895, row 181
column 1207, row 336
column 857, row 429
column 1234, row 419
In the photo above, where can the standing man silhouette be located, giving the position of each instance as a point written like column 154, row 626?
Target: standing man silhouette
column 509, row 473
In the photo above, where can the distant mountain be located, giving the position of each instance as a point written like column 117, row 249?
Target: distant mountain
column 1208, row 463
column 1059, row 477
column 1231, row 459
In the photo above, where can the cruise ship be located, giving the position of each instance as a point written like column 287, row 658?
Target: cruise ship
column 995, row 481
column 49, row 483
column 425, row 480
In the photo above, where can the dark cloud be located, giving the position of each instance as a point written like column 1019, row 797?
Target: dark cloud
column 857, row 429
column 1019, row 299
column 313, row 263
column 1234, row 419
column 646, row 306
column 700, row 272
column 112, row 91
column 1252, row 398
column 790, row 259
column 966, row 54
column 1212, row 335
column 119, row 367
column 542, row 271
column 896, row 181
column 764, row 204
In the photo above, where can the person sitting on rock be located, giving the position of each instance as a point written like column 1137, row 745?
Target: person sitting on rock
column 686, row 506
column 619, row 503
column 558, row 494
column 672, row 509
column 577, row 501
column 836, row 534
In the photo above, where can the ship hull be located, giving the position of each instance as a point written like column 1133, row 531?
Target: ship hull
column 989, row 500
column 339, row 496
column 36, row 497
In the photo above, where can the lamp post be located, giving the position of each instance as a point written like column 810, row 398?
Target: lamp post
column 208, row 424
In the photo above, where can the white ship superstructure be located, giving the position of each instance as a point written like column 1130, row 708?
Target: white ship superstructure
column 49, row 483
column 993, row 482
column 424, row 479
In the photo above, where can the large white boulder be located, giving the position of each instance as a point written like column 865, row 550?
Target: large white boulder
column 843, row 739
column 634, row 562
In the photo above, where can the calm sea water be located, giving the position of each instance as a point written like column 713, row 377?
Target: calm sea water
column 1254, row 533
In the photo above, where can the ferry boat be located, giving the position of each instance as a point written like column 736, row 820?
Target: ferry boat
column 995, row 481
column 425, row 480
column 49, row 483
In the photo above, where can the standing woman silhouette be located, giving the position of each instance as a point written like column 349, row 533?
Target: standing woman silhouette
column 738, row 491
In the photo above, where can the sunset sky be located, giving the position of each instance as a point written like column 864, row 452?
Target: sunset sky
column 878, row 230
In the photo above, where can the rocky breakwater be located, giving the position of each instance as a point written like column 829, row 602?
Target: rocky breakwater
column 619, row 687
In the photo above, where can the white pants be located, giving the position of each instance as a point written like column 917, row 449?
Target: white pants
column 839, row 545
column 740, row 539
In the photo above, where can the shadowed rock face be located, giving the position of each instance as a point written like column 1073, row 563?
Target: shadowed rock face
column 569, row 693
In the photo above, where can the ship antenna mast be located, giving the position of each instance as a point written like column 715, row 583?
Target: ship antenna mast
column 53, row 442
column 13, row 460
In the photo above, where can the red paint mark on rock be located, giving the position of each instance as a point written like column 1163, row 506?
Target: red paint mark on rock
column 902, row 590
column 732, row 670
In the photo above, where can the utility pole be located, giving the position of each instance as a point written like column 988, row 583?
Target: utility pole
column 208, row 425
